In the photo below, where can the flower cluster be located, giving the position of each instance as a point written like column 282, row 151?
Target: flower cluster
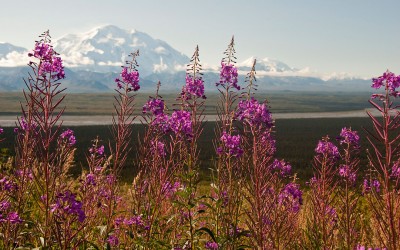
column 327, row 148
column 157, row 147
column 282, row 167
column 348, row 136
column 194, row 86
column 346, row 172
column 369, row 185
column 228, row 75
column 211, row 245
column 388, row 80
column 154, row 106
column 181, row 123
column 96, row 150
column 254, row 113
column 130, row 79
column 67, row 204
column 231, row 144
column 170, row 189
column 8, row 216
column 50, row 63
column 291, row 196
column 69, row 136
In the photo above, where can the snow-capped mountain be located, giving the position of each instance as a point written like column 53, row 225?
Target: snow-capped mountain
column 265, row 65
column 106, row 48
column 93, row 59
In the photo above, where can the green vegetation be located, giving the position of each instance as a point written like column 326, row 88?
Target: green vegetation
column 296, row 141
column 281, row 102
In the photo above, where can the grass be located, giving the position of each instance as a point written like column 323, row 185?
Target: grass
column 296, row 141
column 280, row 102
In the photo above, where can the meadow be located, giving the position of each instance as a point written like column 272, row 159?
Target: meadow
column 177, row 182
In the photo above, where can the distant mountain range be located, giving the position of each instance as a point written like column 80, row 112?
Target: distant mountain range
column 93, row 59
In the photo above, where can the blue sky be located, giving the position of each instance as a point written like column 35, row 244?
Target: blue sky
column 361, row 37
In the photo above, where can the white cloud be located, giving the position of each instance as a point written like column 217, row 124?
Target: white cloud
column 14, row 59
column 157, row 68
column 160, row 50
column 109, row 63
column 75, row 59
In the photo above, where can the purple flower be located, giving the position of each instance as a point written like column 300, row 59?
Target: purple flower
column 99, row 150
column 349, row 137
column 4, row 205
column 291, row 196
column 162, row 123
column 347, row 173
column 42, row 51
column 181, row 123
column 282, row 167
column 194, row 87
column 14, row 218
column 395, row 170
column 367, row 186
column 155, row 106
column 331, row 212
column 328, row 149
column 228, row 76
column 69, row 136
column 388, row 80
column 1, row 130
column 211, row 245
column 113, row 240
column 157, row 147
column 254, row 113
column 170, row 189
column 66, row 203
column 231, row 145
column 130, row 78
column 53, row 67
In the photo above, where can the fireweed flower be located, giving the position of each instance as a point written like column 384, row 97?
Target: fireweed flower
column 347, row 173
column 66, row 203
column 162, row 123
column 99, row 150
column 170, row 189
column 69, row 136
column 113, row 240
column 328, row 148
column 154, row 106
column 282, row 167
column 157, row 147
column 389, row 80
column 130, row 79
column 254, row 113
column 51, row 63
column 194, row 87
column 368, row 186
column 181, row 123
column 395, row 170
column 291, row 196
column 211, row 245
column 349, row 137
column 228, row 76
column 231, row 145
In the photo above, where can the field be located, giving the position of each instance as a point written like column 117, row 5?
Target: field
column 280, row 102
column 296, row 138
column 296, row 141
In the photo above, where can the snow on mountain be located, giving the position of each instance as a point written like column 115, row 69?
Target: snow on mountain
column 11, row 56
column 106, row 48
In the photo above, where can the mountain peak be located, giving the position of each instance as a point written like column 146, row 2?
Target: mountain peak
column 106, row 47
